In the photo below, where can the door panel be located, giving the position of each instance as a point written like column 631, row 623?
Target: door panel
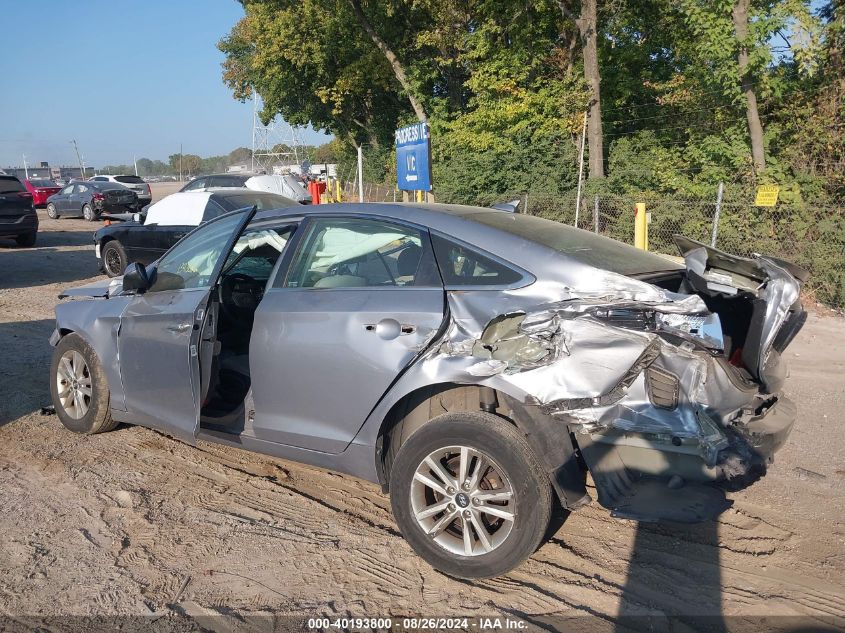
column 320, row 359
column 160, row 330
column 159, row 366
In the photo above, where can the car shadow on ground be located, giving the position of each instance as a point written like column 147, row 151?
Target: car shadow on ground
column 46, row 262
column 24, row 374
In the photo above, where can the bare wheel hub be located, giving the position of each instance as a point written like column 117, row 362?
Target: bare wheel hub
column 463, row 500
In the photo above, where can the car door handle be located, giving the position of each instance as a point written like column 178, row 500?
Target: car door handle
column 390, row 328
column 182, row 327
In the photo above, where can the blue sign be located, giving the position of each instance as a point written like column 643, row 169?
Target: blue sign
column 413, row 158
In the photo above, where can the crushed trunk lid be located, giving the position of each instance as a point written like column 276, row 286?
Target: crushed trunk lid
column 772, row 286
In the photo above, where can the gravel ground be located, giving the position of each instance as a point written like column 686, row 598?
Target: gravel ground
column 132, row 521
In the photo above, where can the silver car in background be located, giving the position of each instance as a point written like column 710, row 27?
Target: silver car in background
column 473, row 362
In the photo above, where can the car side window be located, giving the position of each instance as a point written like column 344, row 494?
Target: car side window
column 67, row 190
column 81, row 188
column 198, row 183
column 191, row 262
column 464, row 266
column 362, row 253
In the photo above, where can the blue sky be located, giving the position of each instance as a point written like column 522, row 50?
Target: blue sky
column 122, row 78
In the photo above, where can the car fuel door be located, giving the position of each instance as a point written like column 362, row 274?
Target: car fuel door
column 162, row 330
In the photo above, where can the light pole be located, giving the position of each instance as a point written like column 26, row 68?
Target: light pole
column 79, row 158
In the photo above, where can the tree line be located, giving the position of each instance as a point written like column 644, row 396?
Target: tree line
column 674, row 96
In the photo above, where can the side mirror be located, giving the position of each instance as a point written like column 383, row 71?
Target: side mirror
column 137, row 217
column 135, row 278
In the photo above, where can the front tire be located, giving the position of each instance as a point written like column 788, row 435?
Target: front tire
column 469, row 495
column 51, row 211
column 88, row 213
column 114, row 258
column 79, row 388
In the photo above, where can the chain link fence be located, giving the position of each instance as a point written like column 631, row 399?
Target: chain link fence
column 811, row 236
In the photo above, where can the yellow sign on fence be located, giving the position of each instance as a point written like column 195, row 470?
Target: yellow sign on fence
column 767, row 196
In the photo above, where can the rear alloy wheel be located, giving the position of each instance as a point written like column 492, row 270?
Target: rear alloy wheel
column 27, row 239
column 469, row 495
column 51, row 211
column 78, row 387
column 88, row 213
column 114, row 258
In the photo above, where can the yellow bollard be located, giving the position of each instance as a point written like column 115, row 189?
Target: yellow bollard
column 339, row 198
column 419, row 196
column 640, row 227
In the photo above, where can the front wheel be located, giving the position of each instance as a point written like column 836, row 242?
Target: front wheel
column 114, row 258
column 51, row 211
column 79, row 388
column 469, row 495
column 88, row 213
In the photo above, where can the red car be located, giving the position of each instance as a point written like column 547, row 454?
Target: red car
column 41, row 189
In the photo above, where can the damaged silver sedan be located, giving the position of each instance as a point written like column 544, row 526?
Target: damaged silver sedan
column 476, row 363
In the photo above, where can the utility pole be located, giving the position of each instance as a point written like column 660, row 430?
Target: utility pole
column 79, row 159
column 25, row 168
column 360, row 175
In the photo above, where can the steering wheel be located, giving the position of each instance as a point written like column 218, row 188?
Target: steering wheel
column 240, row 295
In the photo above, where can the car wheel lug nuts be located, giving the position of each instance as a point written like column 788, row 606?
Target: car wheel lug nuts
column 466, row 485
column 451, row 507
column 467, row 514
column 475, row 501
column 450, row 490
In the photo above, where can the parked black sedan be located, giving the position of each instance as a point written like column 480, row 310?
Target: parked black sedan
column 164, row 223
column 91, row 199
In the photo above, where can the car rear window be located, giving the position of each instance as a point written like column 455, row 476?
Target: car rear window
column 132, row 180
column 42, row 183
column 262, row 200
column 10, row 184
column 583, row 246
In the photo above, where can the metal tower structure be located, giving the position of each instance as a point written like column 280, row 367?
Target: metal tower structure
column 267, row 139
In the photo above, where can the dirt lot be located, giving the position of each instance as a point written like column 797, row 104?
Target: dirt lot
column 118, row 523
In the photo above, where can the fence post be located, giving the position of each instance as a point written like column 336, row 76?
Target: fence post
column 716, row 215
column 360, row 175
column 596, row 216
column 640, row 227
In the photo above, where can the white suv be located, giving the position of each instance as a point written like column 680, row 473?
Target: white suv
column 135, row 183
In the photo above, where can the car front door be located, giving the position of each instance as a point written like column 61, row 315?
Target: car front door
column 361, row 299
column 63, row 202
column 160, row 330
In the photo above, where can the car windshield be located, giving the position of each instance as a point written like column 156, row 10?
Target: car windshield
column 42, row 183
column 132, row 180
column 10, row 184
column 583, row 246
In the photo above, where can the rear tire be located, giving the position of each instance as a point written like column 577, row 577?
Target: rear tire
column 114, row 258
column 513, row 523
column 79, row 388
column 51, row 211
column 88, row 213
column 27, row 239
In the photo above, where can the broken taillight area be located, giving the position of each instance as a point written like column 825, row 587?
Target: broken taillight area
column 704, row 328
